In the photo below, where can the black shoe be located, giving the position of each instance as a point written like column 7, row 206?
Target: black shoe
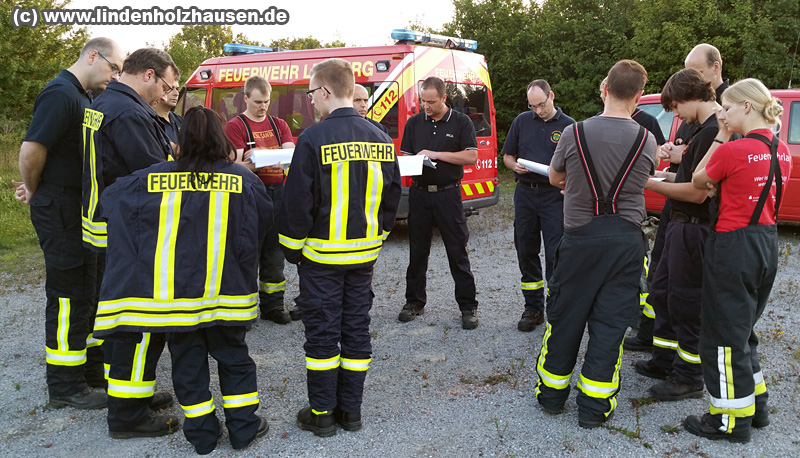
column 673, row 389
column 262, row 429
column 530, row 319
column 88, row 399
column 322, row 425
column 295, row 314
column 156, row 425
column 760, row 419
column 97, row 381
column 594, row 422
column 409, row 312
column 704, row 427
column 349, row 421
column 650, row 369
column 276, row 316
column 161, row 400
column 638, row 342
column 469, row 319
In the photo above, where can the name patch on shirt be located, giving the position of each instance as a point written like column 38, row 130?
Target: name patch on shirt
column 357, row 151
column 180, row 181
column 92, row 119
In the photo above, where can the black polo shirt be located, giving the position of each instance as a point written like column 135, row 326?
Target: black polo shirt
column 531, row 137
column 650, row 123
column 453, row 133
column 172, row 127
column 56, row 124
column 696, row 148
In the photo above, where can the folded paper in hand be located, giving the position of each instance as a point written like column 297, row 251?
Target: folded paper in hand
column 535, row 167
column 262, row 157
column 411, row 166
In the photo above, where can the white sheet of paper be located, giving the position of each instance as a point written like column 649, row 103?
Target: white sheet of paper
column 657, row 178
column 411, row 166
column 535, row 167
column 265, row 157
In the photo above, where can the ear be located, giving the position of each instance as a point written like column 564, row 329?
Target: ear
column 639, row 96
column 552, row 95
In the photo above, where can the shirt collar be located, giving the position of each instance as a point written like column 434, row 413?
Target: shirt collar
column 115, row 85
column 344, row 111
column 554, row 118
column 445, row 118
column 67, row 75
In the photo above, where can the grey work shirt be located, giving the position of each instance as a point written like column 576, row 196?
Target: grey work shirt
column 609, row 140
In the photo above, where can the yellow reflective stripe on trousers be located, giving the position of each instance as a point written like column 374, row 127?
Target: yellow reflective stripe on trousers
column 164, row 263
column 106, row 370
column 665, row 343
column 532, row 285
column 140, row 358
column 270, row 288
column 65, row 357
column 130, row 389
column 727, row 404
column 758, row 379
column 198, row 410
column 557, row 382
column 218, row 205
column 688, row 357
column 314, row 364
column 648, row 311
column 340, row 204
column 602, row 390
column 355, row 364
column 239, row 400
column 741, row 407
column 372, row 201
column 92, row 342
column 62, row 334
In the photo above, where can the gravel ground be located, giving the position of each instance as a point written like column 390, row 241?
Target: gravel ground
column 433, row 389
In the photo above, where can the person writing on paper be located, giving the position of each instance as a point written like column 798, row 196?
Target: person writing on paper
column 538, row 206
column 255, row 128
column 361, row 103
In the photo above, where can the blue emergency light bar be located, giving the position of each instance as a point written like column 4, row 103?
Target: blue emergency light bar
column 405, row 36
column 237, row 49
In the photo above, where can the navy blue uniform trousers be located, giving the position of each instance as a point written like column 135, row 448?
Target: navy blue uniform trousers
column 271, row 281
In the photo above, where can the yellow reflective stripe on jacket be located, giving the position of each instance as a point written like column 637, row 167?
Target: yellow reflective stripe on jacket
column 129, row 389
column 92, row 342
column 688, row 357
column 176, row 318
column 557, row 382
column 198, row 410
column 92, row 120
column 643, row 299
column 340, row 200
column 315, row 364
column 164, row 263
column 344, row 245
column 665, row 343
column 270, row 288
column 385, row 235
column 65, row 357
column 355, row 364
column 372, row 200
column 94, row 233
column 341, row 258
column 218, row 206
column 532, row 285
column 240, row 400
column 288, row 242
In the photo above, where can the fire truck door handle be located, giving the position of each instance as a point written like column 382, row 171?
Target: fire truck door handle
column 483, row 142
column 414, row 110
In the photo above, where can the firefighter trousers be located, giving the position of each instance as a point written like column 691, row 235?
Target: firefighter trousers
column 70, row 289
column 132, row 359
column 237, row 381
column 538, row 213
column 271, row 281
column 739, row 271
column 595, row 282
column 675, row 295
column 335, row 305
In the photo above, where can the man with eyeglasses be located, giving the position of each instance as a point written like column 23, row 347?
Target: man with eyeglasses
column 169, row 119
column 361, row 103
column 256, row 128
column 538, row 205
column 123, row 134
column 50, row 162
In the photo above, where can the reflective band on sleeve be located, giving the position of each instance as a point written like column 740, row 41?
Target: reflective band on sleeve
column 239, row 400
column 355, row 364
column 532, row 285
column 688, row 357
column 664, row 343
column 198, row 410
column 648, row 311
column 270, row 288
column 314, row 364
column 128, row 389
column 65, row 358
column 92, row 342
column 288, row 242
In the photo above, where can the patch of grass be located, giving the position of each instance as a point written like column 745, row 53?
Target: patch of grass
column 670, row 429
column 501, row 429
column 625, row 431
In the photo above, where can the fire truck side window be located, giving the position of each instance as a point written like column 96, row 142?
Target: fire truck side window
column 473, row 101
column 664, row 119
column 793, row 136
column 291, row 104
column 228, row 101
column 191, row 97
column 388, row 98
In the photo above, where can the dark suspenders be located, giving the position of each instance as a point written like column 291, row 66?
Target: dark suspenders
column 774, row 172
column 251, row 140
column 608, row 204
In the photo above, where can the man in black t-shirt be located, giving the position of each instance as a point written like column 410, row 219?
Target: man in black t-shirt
column 448, row 138
column 50, row 162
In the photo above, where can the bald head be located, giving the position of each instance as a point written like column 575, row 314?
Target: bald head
column 361, row 99
column 706, row 59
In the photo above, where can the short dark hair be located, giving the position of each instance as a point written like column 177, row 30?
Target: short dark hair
column 256, row 82
column 144, row 58
column 626, row 79
column 337, row 77
column 435, row 83
column 103, row 45
column 541, row 84
column 202, row 141
column 684, row 86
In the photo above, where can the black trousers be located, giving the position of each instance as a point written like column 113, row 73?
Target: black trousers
column 70, row 289
column 271, row 281
column 595, row 282
column 237, row 380
column 445, row 210
column 675, row 295
column 739, row 271
column 655, row 257
column 538, row 213
column 335, row 305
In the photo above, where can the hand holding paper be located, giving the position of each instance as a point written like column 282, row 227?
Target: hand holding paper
column 535, row 167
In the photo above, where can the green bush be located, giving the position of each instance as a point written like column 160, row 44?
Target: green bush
column 15, row 221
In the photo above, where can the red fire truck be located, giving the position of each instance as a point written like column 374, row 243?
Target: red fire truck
column 392, row 76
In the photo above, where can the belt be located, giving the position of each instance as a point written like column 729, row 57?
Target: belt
column 534, row 184
column 684, row 218
column 436, row 187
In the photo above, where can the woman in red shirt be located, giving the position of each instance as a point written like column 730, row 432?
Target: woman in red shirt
column 741, row 258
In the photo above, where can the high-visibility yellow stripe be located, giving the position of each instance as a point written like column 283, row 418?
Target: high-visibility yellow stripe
column 602, row 390
column 174, row 319
column 91, row 342
column 341, row 258
column 92, row 120
column 648, row 311
column 557, row 382
column 240, row 400
column 62, row 333
column 218, row 206
column 665, row 343
column 761, row 387
column 340, row 187
column 355, row 364
column 65, row 357
column 490, row 185
column 198, row 410
column 532, row 285
column 373, row 198
column 164, row 265
column 742, row 407
column 688, row 357
column 479, row 187
column 140, row 358
column 271, row 288
column 344, row 245
column 288, row 242
column 467, row 189
column 314, row 364
column 130, row 389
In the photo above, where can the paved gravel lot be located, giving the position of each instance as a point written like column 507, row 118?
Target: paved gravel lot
column 433, row 389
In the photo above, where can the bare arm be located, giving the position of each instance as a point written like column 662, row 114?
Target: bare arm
column 685, row 192
column 511, row 163
column 463, row 157
column 32, row 157
column 558, row 179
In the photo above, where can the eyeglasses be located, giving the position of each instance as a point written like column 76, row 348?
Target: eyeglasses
column 115, row 71
column 539, row 106
column 310, row 92
column 166, row 91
